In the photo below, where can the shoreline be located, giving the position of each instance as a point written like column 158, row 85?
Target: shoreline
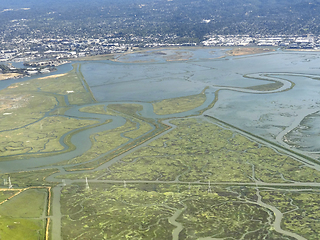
column 112, row 56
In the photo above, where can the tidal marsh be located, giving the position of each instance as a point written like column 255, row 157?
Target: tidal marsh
column 41, row 136
column 201, row 151
column 149, row 211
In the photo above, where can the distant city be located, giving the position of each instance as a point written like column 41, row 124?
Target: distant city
column 21, row 50
column 36, row 30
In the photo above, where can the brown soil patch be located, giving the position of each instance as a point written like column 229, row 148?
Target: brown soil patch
column 6, row 76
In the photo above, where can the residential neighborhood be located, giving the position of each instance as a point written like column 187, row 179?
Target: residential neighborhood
column 22, row 50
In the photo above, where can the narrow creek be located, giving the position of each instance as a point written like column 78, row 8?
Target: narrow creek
column 179, row 226
column 278, row 218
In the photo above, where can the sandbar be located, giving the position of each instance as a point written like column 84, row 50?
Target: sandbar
column 54, row 76
column 240, row 51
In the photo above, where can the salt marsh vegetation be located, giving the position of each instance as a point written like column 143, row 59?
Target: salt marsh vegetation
column 177, row 105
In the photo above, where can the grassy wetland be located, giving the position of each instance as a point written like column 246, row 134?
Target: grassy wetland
column 24, row 215
column 33, row 124
column 162, row 211
column 198, row 150
column 156, row 169
column 42, row 136
column 299, row 208
column 177, row 105
column 27, row 128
